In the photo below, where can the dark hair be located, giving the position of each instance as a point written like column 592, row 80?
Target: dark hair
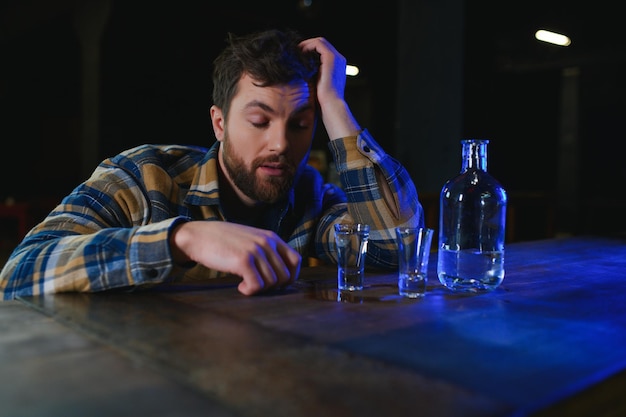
column 271, row 57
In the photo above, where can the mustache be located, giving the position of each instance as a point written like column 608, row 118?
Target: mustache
column 281, row 160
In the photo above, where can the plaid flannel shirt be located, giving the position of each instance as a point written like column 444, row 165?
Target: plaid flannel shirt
column 113, row 230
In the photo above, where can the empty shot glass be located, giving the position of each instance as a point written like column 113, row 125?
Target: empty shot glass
column 351, row 243
column 413, row 253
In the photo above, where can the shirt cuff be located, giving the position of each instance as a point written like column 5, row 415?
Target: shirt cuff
column 150, row 253
column 355, row 152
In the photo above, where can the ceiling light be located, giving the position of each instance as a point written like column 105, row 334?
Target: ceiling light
column 352, row 70
column 552, row 37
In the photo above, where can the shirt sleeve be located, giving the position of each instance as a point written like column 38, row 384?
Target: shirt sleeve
column 364, row 169
column 100, row 237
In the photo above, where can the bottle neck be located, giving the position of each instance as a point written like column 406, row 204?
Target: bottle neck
column 474, row 154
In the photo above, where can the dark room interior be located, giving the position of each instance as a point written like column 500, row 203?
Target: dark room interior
column 231, row 287
column 81, row 81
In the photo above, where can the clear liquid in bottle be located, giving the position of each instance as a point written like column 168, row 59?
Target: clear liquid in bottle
column 472, row 225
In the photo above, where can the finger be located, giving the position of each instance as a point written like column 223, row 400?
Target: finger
column 250, row 285
column 322, row 47
column 257, row 273
column 318, row 44
column 265, row 267
column 285, row 261
column 292, row 260
column 275, row 264
column 279, row 264
column 310, row 44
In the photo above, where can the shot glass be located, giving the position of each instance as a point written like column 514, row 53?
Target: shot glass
column 413, row 253
column 351, row 243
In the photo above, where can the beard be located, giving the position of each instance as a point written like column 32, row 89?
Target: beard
column 267, row 189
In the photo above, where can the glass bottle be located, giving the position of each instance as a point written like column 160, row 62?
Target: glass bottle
column 472, row 216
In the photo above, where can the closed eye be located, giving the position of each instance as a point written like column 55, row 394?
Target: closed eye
column 299, row 124
column 260, row 125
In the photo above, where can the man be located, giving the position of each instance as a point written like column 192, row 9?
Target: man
column 248, row 206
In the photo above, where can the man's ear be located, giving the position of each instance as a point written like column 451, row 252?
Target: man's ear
column 217, row 119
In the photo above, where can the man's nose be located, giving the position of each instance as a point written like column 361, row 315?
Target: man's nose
column 278, row 140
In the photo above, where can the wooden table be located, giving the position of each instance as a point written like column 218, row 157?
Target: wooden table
column 550, row 341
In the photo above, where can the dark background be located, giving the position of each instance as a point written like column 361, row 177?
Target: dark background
column 154, row 86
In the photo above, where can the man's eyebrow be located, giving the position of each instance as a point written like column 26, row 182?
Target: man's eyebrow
column 269, row 109
column 260, row 104
column 303, row 108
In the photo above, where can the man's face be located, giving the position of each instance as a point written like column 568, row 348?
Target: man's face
column 266, row 139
